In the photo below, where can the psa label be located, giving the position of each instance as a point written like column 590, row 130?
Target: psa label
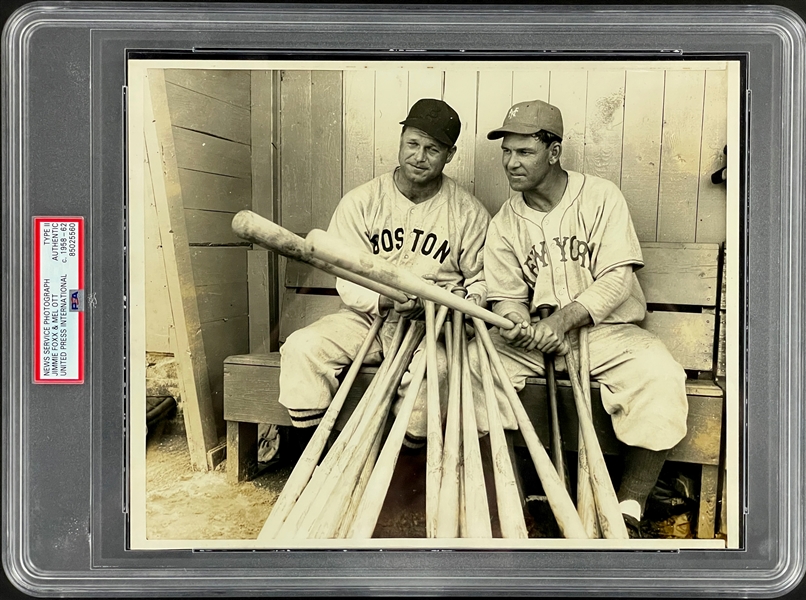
column 59, row 300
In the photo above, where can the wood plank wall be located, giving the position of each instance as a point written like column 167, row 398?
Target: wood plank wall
column 211, row 123
column 159, row 318
column 658, row 134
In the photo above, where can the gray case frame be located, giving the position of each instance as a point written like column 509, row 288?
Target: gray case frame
column 64, row 152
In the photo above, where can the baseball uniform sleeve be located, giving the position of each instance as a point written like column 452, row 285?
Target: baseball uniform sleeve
column 349, row 222
column 506, row 287
column 608, row 292
column 613, row 236
column 471, row 260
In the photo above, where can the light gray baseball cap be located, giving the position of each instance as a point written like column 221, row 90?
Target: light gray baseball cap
column 530, row 117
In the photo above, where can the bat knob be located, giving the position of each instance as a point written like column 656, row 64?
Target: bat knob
column 460, row 291
column 545, row 310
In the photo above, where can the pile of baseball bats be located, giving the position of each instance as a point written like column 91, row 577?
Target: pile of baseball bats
column 340, row 492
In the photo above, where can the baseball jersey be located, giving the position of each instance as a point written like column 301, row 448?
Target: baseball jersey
column 442, row 236
column 535, row 257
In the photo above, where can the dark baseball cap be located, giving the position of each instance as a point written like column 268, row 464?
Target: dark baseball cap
column 530, row 117
column 435, row 118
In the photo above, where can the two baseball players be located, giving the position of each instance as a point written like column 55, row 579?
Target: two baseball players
column 566, row 239
column 418, row 218
column 563, row 238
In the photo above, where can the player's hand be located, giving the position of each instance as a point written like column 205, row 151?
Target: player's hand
column 519, row 336
column 413, row 308
column 475, row 299
column 549, row 337
column 385, row 303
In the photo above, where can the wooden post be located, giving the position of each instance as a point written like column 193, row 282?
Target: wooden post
column 197, row 406
column 264, row 279
column 259, row 285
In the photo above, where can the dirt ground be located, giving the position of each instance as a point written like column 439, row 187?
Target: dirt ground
column 183, row 504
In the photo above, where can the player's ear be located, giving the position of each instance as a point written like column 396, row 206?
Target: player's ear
column 555, row 151
column 451, row 152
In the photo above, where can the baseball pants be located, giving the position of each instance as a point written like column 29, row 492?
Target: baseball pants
column 642, row 387
column 312, row 358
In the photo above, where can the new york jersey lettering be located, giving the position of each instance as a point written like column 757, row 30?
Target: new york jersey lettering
column 563, row 249
column 536, row 256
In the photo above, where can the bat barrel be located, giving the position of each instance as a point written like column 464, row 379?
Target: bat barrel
column 330, row 254
column 259, row 230
column 252, row 227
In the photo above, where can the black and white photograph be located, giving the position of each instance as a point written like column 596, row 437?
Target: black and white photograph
column 419, row 304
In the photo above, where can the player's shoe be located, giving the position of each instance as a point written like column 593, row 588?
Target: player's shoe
column 634, row 528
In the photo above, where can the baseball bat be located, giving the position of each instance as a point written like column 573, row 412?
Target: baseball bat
column 607, row 506
column 556, row 445
column 433, row 469
column 346, row 472
column 557, row 495
column 448, row 510
column 372, row 501
column 349, row 516
column 448, row 333
column 291, row 524
column 354, row 265
column 333, row 250
column 462, row 504
column 586, row 503
column 313, row 451
column 476, row 511
column 348, row 482
column 259, row 230
column 510, row 511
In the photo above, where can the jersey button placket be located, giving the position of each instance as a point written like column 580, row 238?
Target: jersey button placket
column 406, row 248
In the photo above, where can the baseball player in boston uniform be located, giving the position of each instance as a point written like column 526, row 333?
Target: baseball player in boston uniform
column 414, row 216
column 567, row 239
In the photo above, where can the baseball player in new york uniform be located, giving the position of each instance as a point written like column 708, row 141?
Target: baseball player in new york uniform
column 414, row 216
column 567, row 239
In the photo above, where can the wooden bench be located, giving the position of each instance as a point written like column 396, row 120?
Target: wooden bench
column 682, row 284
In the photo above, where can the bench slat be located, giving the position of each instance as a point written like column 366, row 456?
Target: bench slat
column 679, row 273
column 688, row 336
column 251, row 394
column 251, row 385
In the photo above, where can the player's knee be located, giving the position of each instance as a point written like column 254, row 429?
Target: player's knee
column 663, row 366
column 300, row 345
column 670, row 371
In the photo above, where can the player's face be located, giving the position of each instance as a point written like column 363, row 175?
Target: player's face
column 525, row 160
column 421, row 157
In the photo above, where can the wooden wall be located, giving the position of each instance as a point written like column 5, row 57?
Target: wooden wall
column 657, row 133
column 159, row 319
column 210, row 118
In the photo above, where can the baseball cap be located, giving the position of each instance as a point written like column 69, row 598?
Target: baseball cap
column 435, row 118
column 530, row 117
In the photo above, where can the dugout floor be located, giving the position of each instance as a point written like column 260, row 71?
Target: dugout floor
column 182, row 504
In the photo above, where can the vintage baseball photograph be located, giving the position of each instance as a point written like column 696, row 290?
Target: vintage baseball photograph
column 434, row 304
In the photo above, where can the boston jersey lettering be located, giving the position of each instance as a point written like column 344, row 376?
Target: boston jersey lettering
column 427, row 244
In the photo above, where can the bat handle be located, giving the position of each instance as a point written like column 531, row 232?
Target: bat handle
column 544, row 311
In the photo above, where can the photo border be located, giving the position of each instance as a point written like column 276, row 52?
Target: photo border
column 136, row 86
